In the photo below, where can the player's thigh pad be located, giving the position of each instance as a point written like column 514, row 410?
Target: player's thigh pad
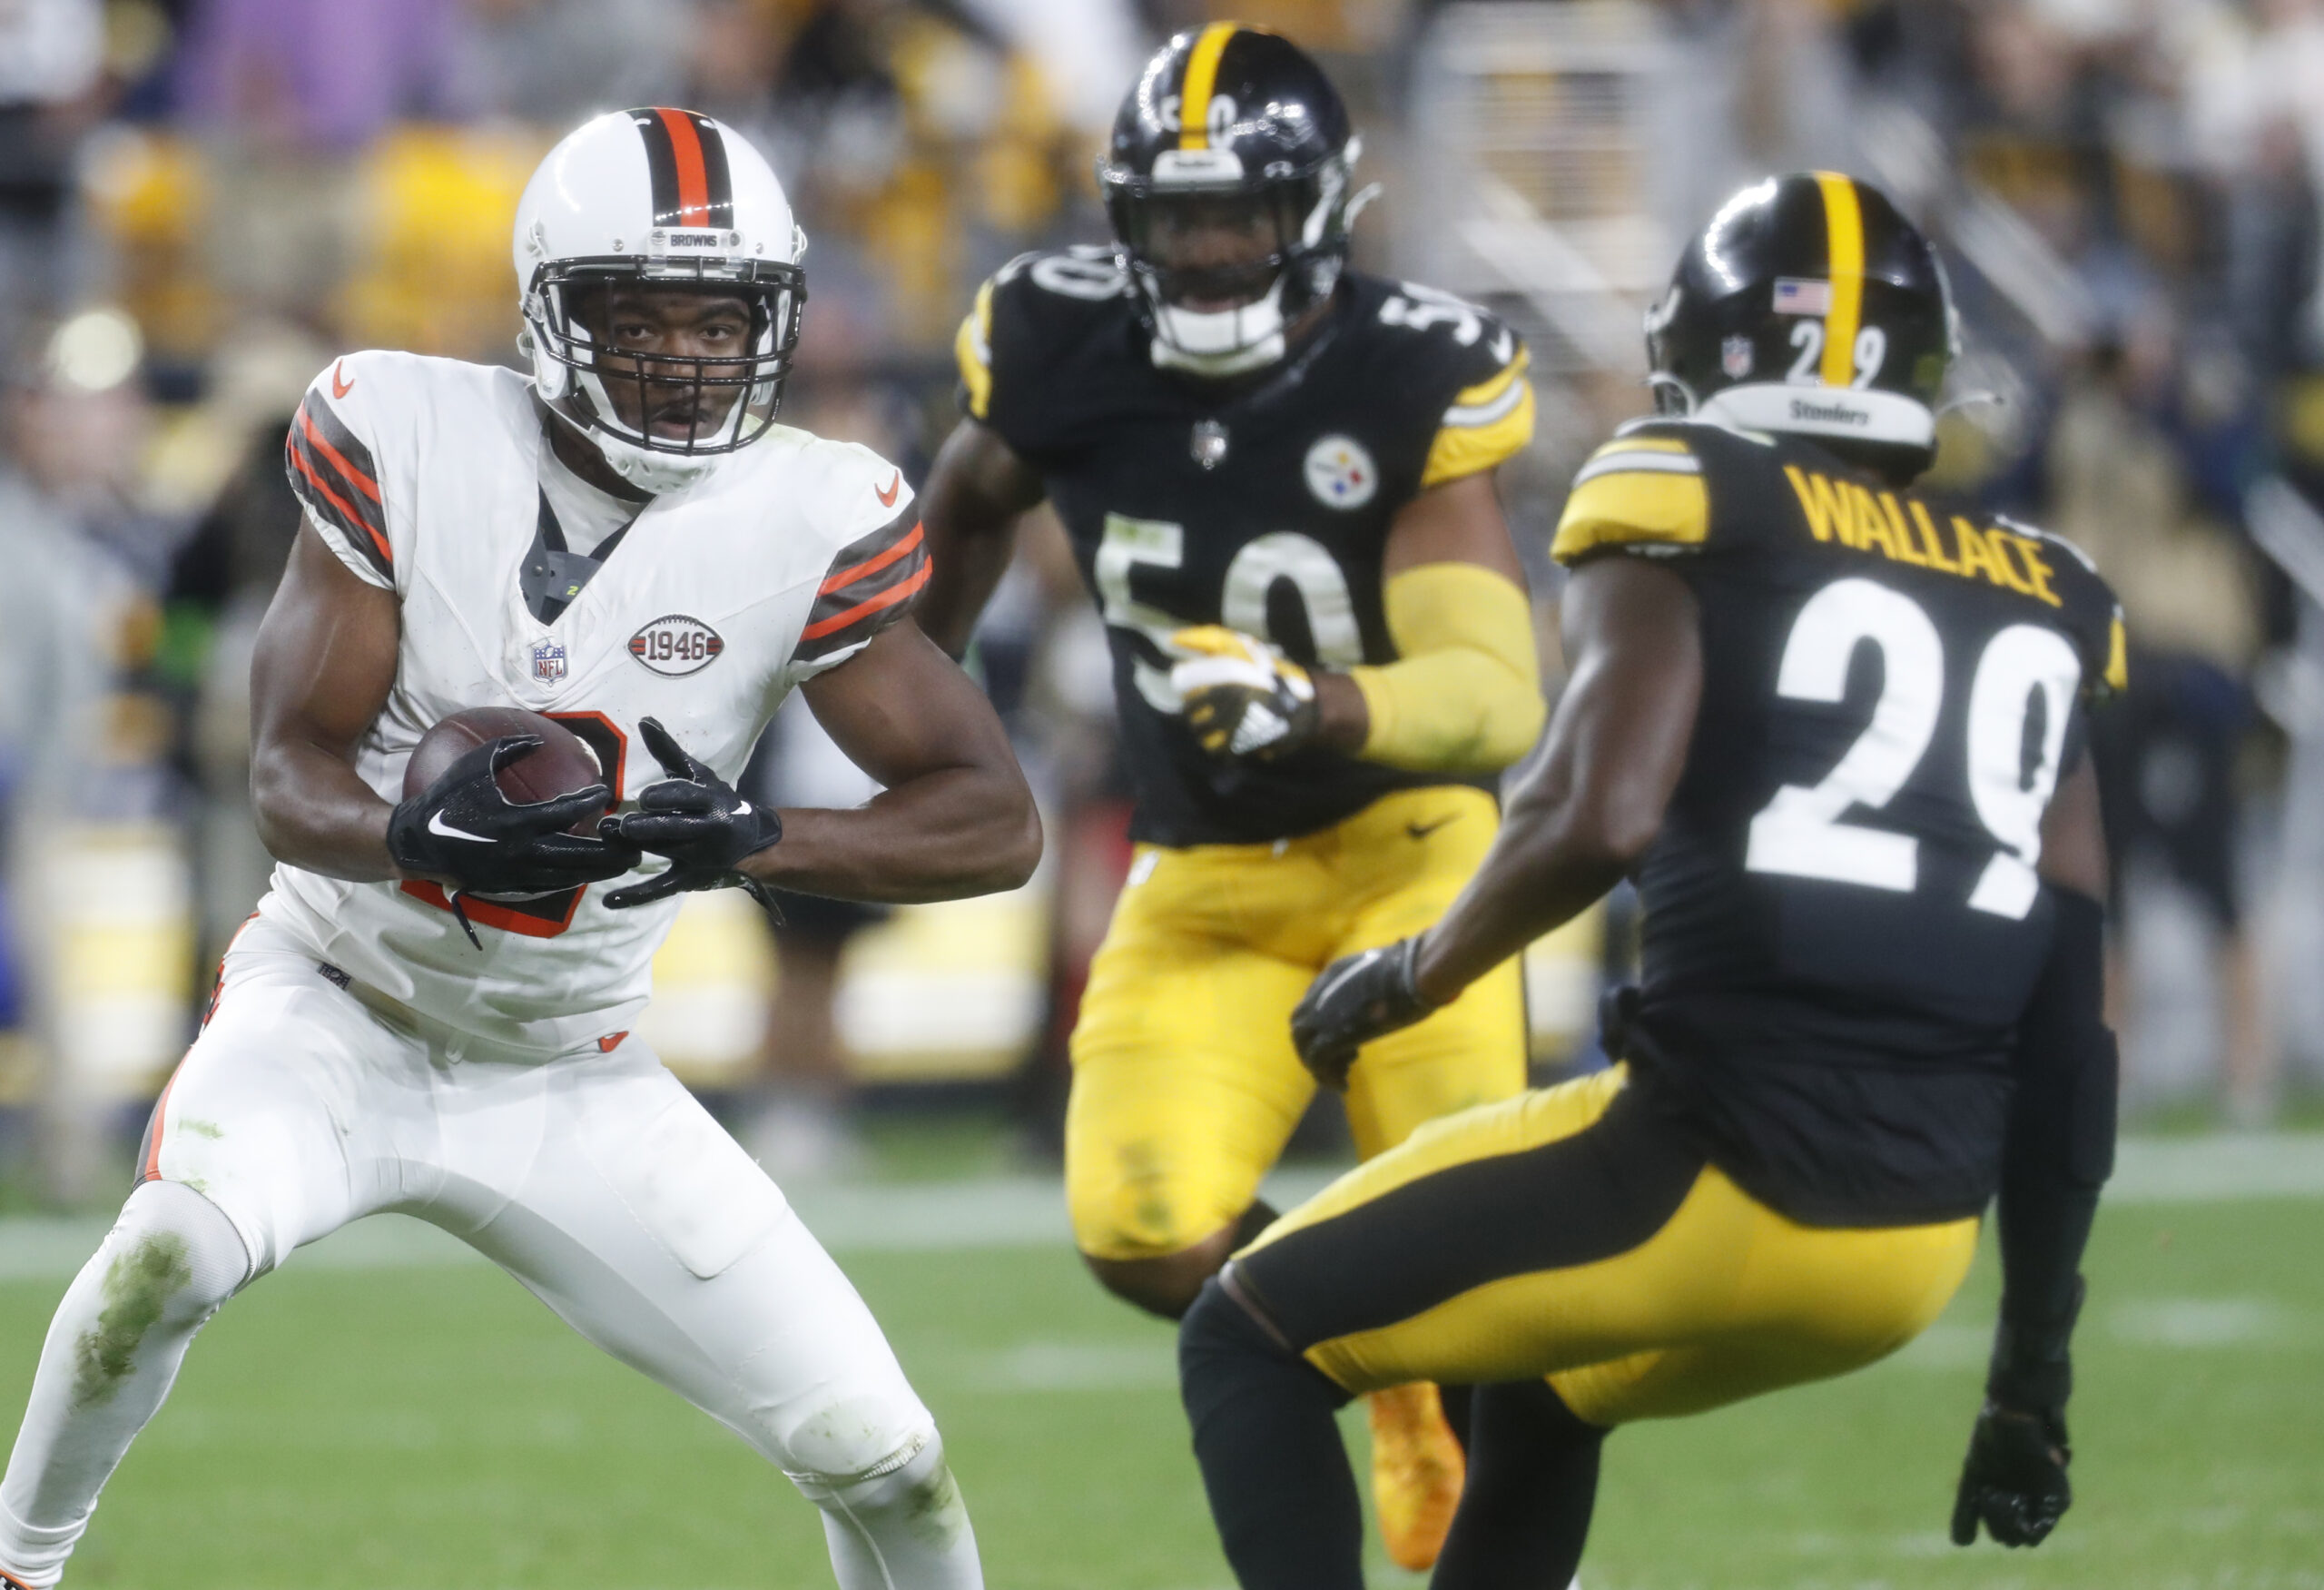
column 1578, row 1225
column 287, row 1103
column 1405, row 858
column 1185, row 1083
column 643, row 1225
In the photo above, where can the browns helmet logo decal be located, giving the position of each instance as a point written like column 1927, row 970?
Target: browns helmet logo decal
column 676, row 645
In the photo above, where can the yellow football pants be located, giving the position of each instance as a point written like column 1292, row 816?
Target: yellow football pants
column 1185, row 1083
column 1576, row 1233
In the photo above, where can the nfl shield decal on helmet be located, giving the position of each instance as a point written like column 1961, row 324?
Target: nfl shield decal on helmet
column 1340, row 472
column 676, row 645
column 1735, row 357
column 548, row 661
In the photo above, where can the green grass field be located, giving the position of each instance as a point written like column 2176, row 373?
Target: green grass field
column 391, row 1421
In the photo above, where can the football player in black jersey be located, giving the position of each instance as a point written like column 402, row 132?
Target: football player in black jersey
column 1277, row 476
column 1836, row 732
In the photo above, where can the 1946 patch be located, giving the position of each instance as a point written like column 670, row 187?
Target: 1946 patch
column 675, row 645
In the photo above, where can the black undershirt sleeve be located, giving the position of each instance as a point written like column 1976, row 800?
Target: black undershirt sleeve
column 2059, row 1151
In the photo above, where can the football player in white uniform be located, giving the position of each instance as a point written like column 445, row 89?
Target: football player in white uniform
column 428, row 1010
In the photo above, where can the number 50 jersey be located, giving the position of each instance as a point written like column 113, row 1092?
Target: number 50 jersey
column 1842, row 917
column 1261, row 503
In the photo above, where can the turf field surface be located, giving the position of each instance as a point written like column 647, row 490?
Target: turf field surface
column 385, row 1414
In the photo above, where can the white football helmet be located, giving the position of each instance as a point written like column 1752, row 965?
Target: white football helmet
column 666, row 198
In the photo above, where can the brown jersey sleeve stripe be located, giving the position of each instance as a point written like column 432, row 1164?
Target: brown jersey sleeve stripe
column 870, row 566
column 317, row 438
column 336, row 488
column 903, row 590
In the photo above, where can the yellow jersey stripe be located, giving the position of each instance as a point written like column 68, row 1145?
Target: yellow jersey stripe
column 1493, row 385
column 1202, row 82
column 972, row 351
column 1843, row 234
column 2117, row 655
column 1462, row 449
column 1630, row 509
column 1641, row 444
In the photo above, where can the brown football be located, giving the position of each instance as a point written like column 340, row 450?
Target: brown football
column 563, row 763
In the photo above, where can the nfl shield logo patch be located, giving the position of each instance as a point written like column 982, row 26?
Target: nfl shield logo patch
column 1735, row 357
column 548, row 661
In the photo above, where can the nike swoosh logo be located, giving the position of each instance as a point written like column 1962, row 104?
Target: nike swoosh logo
column 1504, row 347
column 1422, row 830
column 339, row 389
column 436, row 824
column 887, row 495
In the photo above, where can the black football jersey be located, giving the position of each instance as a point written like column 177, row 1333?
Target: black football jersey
column 1843, row 921
column 1262, row 504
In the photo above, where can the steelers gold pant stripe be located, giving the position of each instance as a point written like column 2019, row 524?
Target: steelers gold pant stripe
column 1843, row 234
column 1578, row 1234
column 1572, row 1201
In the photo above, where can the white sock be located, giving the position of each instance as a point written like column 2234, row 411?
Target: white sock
column 112, row 1353
column 907, row 1530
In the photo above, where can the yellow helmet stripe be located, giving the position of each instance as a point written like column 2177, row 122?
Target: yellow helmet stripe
column 1202, row 81
column 1844, row 246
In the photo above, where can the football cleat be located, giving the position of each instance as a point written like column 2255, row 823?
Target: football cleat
column 1417, row 1470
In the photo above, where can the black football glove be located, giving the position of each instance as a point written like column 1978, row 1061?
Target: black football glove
column 696, row 819
column 462, row 828
column 1356, row 999
column 1241, row 696
column 2014, row 1480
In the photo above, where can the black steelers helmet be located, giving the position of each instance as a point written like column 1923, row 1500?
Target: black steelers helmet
column 1227, row 179
column 1809, row 305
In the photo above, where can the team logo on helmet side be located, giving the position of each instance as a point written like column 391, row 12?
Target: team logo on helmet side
column 1341, row 472
column 675, row 645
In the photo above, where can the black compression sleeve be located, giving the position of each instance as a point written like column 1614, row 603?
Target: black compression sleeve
column 2060, row 1149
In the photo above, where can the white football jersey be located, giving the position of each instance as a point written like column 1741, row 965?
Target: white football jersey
column 423, row 476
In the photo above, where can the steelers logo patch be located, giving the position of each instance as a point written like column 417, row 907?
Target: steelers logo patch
column 1341, row 473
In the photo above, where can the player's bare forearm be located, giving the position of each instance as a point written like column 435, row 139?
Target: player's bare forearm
column 968, row 512
column 956, row 817
column 324, row 663
column 1591, row 800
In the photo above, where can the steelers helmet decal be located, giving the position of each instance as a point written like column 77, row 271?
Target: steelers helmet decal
column 1227, row 179
column 1808, row 304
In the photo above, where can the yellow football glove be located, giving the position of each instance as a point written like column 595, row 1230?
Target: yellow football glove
column 1242, row 697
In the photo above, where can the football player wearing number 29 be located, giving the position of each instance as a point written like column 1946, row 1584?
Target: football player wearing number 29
column 1277, row 475
column 626, row 542
column 1837, row 730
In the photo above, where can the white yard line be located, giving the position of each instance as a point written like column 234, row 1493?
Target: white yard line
column 1028, row 1211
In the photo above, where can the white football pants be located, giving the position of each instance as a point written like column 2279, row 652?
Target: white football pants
column 595, row 1180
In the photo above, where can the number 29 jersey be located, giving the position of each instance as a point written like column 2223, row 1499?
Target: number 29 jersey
column 1843, row 919
column 1261, row 503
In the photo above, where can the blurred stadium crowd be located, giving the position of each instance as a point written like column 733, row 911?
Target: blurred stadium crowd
column 203, row 200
